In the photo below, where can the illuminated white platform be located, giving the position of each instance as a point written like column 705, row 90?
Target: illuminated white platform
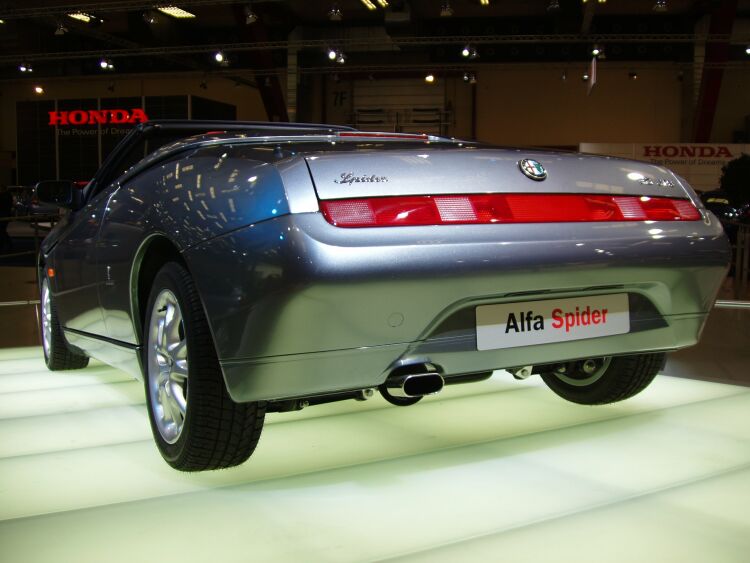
column 500, row 470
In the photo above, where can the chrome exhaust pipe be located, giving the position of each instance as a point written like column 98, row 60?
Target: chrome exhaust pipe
column 407, row 384
column 412, row 385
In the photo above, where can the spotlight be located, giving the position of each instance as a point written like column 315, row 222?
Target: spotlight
column 484, row 2
column 585, row 77
column 250, row 16
column 332, row 54
column 429, row 78
column 335, row 14
column 106, row 64
column 369, row 5
column 633, row 75
column 151, row 17
column 340, row 57
column 553, row 6
column 469, row 52
column 219, row 57
column 660, row 6
column 564, row 75
column 61, row 29
column 747, row 50
column 383, row 3
column 470, row 78
column 2, row 22
column 596, row 51
column 445, row 10
column 38, row 90
column 25, row 67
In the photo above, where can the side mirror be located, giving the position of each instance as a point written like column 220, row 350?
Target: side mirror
column 58, row 192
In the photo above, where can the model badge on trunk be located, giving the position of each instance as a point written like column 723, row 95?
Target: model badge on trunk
column 532, row 169
column 351, row 178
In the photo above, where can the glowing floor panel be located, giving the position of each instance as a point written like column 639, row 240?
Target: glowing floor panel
column 496, row 470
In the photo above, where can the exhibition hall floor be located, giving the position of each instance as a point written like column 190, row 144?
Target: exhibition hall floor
column 500, row 469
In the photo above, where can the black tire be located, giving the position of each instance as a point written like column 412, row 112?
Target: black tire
column 216, row 432
column 622, row 378
column 57, row 355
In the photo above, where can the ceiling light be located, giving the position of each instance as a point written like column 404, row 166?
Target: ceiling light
column 61, row 29
column 469, row 52
column 383, row 3
column 2, row 22
column 585, row 76
column 445, row 10
column 747, row 50
column 25, row 67
column 660, row 6
column 596, row 51
column 38, row 90
column 369, row 5
column 335, row 14
column 564, row 75
column 340, row 57
column 430, row 78
column 106, row 64
column 602, row 1
column 175, row 12
column 219, row 57
column 81, row 17
column 332, row 54
column 633, row 75
column 484, row 2
column 470, row 77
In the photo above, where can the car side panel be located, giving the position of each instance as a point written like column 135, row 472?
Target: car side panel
column 188, row 200
column 74, row 259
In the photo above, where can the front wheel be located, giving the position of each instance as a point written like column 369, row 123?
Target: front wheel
column 598, row 381
column 196, row 425
column 57, row 355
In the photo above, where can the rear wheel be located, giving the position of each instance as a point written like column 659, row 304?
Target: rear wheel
column 57, row 355
column 195, row 423
column 598, row 381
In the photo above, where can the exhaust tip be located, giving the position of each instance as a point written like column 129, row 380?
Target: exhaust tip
column 421, row 384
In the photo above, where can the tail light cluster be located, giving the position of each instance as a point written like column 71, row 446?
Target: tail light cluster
column 503, row 208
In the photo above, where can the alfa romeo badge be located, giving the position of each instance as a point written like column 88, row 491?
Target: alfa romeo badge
column 532, row 169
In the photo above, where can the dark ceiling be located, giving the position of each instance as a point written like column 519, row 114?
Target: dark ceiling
column 404, row 36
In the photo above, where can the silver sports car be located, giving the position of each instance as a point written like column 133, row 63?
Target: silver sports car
column 245, row 268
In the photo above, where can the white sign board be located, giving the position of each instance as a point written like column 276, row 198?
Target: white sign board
column 507, row 325
column 699, row 163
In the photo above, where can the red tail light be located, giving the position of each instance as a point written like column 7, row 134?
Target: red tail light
column 503, row 208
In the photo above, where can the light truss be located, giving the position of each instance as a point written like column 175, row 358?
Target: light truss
column 366, row 42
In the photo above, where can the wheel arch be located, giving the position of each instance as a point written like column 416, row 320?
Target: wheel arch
column 156, row 250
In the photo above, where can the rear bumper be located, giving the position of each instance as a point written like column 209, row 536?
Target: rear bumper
column 298, row 307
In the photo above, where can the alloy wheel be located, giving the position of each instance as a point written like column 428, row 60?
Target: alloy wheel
column 167, row 366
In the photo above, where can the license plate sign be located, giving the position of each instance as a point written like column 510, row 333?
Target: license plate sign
column 509, row 325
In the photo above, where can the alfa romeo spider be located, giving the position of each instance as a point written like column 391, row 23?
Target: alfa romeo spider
column 246, row 268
